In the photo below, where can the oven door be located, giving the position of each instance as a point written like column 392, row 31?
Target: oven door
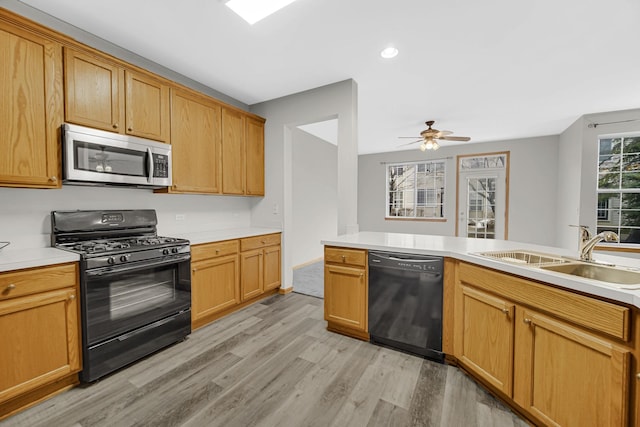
column 119, row 299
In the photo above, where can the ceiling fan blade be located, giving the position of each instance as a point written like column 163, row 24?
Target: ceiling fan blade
column 443, row 133
column 412, row 137
column 456, row 138
column 412, row 142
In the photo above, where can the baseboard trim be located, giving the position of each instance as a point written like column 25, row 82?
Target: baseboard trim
column 304, row 264
column 284, row 291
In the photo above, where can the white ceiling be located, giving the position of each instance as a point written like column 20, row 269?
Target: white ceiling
column 491, row 70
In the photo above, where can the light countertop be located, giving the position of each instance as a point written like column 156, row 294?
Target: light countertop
column 218, row 235
column 464, row 249
column 16, row 259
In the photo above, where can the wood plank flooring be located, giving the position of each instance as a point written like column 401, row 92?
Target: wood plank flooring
column 274, row 364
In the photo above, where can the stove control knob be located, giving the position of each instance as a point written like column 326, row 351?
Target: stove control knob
column 165, row 252
column 124, row 258
column 174, row 250
column 111, row 260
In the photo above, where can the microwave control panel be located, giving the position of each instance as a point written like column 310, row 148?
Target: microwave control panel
column 160, row 166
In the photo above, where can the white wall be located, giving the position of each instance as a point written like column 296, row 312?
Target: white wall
column 25, row 213
column 315, row 195
column 338, row 100
column 532, row 188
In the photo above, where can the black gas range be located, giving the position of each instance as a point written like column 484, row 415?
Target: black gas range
column 135, row 286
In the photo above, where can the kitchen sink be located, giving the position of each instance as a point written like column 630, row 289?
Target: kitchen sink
column 524, row 257
column 614, row 276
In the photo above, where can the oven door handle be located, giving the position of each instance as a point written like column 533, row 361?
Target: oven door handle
column 106, row 271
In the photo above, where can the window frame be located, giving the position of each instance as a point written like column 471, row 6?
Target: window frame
column 615, row 213
column 416, row 190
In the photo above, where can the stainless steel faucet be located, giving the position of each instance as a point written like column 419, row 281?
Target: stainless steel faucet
column 587, row 243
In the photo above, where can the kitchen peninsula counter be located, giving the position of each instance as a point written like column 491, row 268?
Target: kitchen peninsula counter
column 464, row 249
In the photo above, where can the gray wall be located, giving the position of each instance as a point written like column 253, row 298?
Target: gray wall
column 315, row 195
column 338, row 100
column 532, row 188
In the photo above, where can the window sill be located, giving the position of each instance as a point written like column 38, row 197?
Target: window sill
column 389, row 218
column 620, row 247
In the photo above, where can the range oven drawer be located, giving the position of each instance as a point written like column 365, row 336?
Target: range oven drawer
column 106, row 357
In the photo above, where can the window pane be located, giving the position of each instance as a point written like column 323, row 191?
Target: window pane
column 631, row 162
column 610, row 146
column 629, row 200
column 609, row 180
column 609, row 163
column 631, row 145
column 416, row 190
column 631, row 180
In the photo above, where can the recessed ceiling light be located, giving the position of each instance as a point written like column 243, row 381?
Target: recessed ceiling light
column 253, row 11
column 389, row 52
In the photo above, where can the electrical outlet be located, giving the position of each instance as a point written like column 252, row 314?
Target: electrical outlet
column 180, row 217
column 276, row 209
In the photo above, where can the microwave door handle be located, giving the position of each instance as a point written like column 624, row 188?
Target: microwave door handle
column 149, row 165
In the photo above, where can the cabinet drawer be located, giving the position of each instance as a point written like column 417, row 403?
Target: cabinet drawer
column 257, row 242
column 345, row 256
column 31, row 281
column 602, row 316
column 212, row 250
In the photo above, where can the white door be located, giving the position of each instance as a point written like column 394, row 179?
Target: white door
column 482, row 204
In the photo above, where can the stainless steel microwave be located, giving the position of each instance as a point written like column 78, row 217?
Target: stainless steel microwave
column 95, row 157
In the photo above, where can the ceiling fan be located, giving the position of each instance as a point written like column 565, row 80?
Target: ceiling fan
column 430, row 136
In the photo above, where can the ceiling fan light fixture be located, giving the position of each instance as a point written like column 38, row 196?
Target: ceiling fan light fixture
column 423, row 147
column 429, row 144
column 389, row 52
column 435, row 146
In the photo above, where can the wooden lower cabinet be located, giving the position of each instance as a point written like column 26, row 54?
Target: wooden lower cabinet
column 228, row 275
column 346, row 291
column 252, row 283
column 553, row 368
column 487, row 337
column 40, row 338
column 568, row 377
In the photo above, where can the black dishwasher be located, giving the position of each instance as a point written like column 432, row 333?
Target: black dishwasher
column 405, row 302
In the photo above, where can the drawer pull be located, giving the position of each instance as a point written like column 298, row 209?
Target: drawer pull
column 638, row 377
column 11, row 287
column 53, row 179
column 344, row 258
column 527, row 321
column 217, row 251
column 115, row 126
column 130, row 129
column 505, row 310
column 72, row 297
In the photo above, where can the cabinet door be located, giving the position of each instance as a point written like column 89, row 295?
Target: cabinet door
column 565, row 376
column 272, row 267
column 92, row 91
column 195, row 140
column 487, row 332
column 233, row 152
column 251, row 282
column 345, row 297
column 39, row 341
column 31, row 109
column 147, row 107
column 215, row 285
column 255, row 157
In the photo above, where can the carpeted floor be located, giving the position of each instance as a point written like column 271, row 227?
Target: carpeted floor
column 309, row 280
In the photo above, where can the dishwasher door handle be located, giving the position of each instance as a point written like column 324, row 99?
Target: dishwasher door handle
column 426, row 261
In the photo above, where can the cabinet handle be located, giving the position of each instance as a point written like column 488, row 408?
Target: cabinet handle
column 72, row 297
column 527, row 321
column 194, row 270
column 53, row 179
column 505, row 310
column 264, row 242
column 638, row 377
column 11, row 287
column 217, row 251
column 361, row 274
column 344, row 258
column 130, row 129
column 115, row 126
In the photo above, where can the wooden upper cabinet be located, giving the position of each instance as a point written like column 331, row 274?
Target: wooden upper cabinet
column 31, row 110
column 103, row 95
column 146, row 107
column 195, row 140
column 92, row 89
column 255, row 157
column 233, row 151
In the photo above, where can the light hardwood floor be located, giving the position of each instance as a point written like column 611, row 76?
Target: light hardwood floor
column 274, row 364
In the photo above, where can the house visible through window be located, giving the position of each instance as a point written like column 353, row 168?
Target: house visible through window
column 618, row 207
column 416, row 190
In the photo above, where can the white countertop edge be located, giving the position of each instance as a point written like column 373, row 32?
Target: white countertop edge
column 18, row 259
column 464, row 249
column 199, row 237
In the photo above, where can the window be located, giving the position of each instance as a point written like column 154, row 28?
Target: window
column 415, row 190
column 618, row 206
